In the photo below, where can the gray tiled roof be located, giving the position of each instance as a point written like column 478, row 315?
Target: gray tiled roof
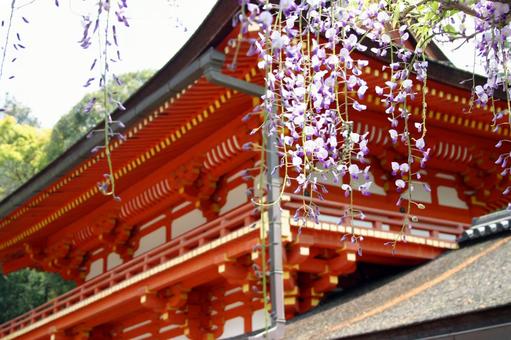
column 473, row 278
column 487, row 225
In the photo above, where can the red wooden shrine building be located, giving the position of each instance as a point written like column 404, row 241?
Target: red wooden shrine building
column 175, row 257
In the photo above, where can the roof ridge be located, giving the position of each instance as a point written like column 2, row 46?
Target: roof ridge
column 487, row 226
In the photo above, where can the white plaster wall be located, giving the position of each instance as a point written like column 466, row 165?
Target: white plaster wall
column 235, row 197
column 233, row 327
column 448, row 237
column 135, row 326
column 113, row 260
column 180, row 206
column 258, row 320
column 96, row 268
column 153, row 221
column 448, row 197
column 233, row 305
column 187, row 222
column 168, row 328
column 329, row 218
column 336, row 219
column 419, row 232
column 419, row 194
column 236, row 175
column 232, row 291
column 373, row 189
column 363, row 224
column 97, row 251
column 327, row 179
column 445, row 176
column 385, row 226
column 151, row 241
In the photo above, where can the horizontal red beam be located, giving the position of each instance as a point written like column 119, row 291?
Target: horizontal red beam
column 215, row 229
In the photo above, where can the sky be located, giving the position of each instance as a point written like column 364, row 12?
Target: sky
column 50, row 72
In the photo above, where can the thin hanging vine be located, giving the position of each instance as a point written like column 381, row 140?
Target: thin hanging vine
column 313, row 55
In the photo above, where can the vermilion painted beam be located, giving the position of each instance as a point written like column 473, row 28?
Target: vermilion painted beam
column 289, row 280
column 297, row 254
column 14, row 265
column 153, row 302
column 376, row 246
column 312, row 265
column 152, row 328
column 198, row 270
column 177, row 300
column 59, row 335
column 170, row 334
column 173, row 318
column 325, row 283
column 234, row 273
column 343, row 264
column 309, row 301
column 163, row 171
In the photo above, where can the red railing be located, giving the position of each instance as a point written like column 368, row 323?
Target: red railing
column 208, row 232
column 204, row 234
column 431, row 227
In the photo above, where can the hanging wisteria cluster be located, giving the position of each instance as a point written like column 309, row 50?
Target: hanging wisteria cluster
column 493, row 48
column 315, row 88
column 487, row 23
column 101, row 33
column 17, row 43
column 310, row 51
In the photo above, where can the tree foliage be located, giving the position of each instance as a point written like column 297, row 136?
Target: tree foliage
column 78, row 121
column 24, row 150
column 26, row 289
column 21, row 113
column 21, row 153
column 22, row 147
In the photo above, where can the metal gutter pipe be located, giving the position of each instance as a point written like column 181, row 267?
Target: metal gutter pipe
column 275, row 232
column 278, row 320
column 210, row 65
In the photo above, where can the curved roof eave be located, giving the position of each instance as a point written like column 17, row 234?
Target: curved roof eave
column 213, row 29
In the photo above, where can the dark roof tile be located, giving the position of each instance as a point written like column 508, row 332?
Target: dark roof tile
column 486, row 226
column 472, row 278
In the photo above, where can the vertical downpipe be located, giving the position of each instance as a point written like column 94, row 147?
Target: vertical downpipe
column 213, row 74
column 275, row 233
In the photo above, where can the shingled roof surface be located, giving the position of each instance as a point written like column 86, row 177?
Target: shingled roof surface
column 476, row 277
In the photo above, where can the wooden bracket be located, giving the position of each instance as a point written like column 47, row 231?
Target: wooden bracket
column 153, row 302
column 233, row 272
column 297, row 254
column 343, row 264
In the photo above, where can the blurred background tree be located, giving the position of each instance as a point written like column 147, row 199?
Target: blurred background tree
column 25, row 149
column 21, row 113
column 26, row 289
column 77, row 122
column 21, row 153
